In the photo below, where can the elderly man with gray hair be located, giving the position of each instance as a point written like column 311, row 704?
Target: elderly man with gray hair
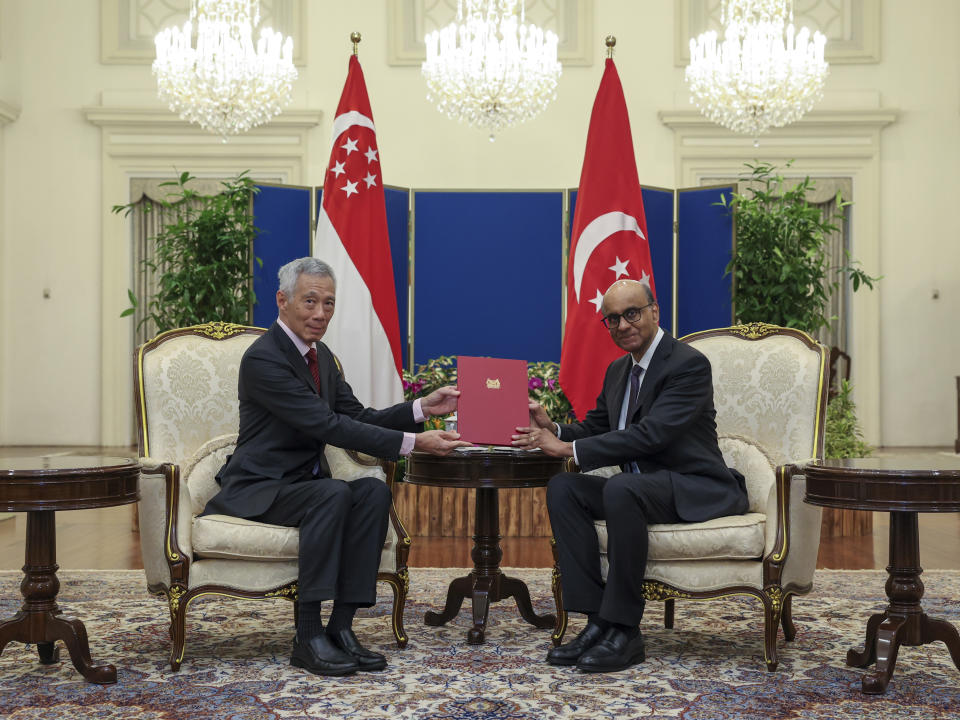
column 293, row 401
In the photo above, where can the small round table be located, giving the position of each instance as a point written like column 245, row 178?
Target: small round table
column 487, row 471
column 904, row 486
column 40, row 486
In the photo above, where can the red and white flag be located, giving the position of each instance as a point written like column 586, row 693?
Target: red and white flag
column 352, row 238
column 608, row 243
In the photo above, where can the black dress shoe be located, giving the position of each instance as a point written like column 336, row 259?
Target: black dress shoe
column 367, row 660
column 616, row 651
column 569, row 653
column 321, row 657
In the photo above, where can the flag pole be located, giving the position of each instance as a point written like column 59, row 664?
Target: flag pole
column 355, row 39
column 610, row 41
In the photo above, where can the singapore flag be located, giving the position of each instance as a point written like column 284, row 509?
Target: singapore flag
column 352, row 238
column 608, row 243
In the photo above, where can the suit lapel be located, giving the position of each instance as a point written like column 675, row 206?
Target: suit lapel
column 615, row 397
column 293, row 356
column 652, row 374
column 324, row 357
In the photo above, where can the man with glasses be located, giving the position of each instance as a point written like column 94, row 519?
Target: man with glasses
column 655, row 419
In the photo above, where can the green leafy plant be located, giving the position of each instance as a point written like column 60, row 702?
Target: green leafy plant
column 780, row 267
column 543, row 385
column 844, row 438
column 203, row 258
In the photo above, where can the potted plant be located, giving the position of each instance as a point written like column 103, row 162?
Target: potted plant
column 780, row 267
column 203, row 259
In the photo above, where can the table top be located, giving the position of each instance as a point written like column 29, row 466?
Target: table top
column 60, row 464
column 491, row 467
column 67, row 482
column 910, row 483
column 916, row 464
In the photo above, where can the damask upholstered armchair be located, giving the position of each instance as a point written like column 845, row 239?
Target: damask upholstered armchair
column 770, row 392
column 187, row 419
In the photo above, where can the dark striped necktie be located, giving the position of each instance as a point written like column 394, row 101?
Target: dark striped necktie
column 313, row 366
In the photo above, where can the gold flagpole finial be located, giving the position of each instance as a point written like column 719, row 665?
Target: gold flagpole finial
column 355, row 39
column 610, row 41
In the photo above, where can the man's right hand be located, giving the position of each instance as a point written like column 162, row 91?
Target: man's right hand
column 439, row 442
column 539, row 417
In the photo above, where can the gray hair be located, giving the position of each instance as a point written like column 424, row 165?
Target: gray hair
column 290, row 272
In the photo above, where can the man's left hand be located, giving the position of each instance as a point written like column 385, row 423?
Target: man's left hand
column 441, row 401
column 529, row 438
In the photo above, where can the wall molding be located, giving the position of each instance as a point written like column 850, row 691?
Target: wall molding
column 409, row 20
column 828, row 143
column 151, row 142
column 852, row 27
column 8, row 113
column 127, row 27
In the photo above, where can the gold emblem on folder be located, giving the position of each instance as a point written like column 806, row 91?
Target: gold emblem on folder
column 493, row 384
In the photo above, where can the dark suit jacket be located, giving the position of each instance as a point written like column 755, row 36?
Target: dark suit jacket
column 673, row 429
column 285, row 424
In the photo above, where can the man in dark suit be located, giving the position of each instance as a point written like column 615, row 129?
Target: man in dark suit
column 293, row 401
column 655, row 418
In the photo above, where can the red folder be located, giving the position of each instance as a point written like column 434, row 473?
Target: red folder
column 493, row 399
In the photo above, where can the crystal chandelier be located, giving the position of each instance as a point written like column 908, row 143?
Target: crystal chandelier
column 763, row 74
column 226, row 85
column 490, row 69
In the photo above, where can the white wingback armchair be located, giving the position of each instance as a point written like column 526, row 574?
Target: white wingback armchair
column 770, row 392
column 187, row 419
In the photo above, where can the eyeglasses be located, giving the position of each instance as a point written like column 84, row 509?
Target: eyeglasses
column 631, row 315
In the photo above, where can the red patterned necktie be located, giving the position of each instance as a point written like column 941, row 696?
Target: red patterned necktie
column 313, row 366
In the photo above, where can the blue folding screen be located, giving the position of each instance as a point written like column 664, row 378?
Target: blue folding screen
column 398, row 226
column 487, row 274
column 487, row 266
column 704, row 248
column 283, row 218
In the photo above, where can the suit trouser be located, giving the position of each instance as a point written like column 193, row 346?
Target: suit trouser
column 342, row 529
column 628, row 502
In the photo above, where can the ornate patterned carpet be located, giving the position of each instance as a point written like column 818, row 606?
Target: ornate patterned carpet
column 711, row 666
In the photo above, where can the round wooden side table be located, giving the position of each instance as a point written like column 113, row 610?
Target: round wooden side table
column 487, row 471
column 40, row 486
column 904, row 486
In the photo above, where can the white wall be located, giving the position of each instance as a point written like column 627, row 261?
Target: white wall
column 51, row 228
column 9, row 77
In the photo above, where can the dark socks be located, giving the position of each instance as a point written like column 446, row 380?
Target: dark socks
column 341, row 617
column 631, row 630
column 309, row 622
column 595, row 619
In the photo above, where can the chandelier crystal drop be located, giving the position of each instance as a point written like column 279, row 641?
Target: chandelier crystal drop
column 490, row 69
column 763, row 74
column 226, row 84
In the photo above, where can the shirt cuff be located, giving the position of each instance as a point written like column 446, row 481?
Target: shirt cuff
column 406, row 447
column 418, row 415
column 556, row 428
column 574, row 446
